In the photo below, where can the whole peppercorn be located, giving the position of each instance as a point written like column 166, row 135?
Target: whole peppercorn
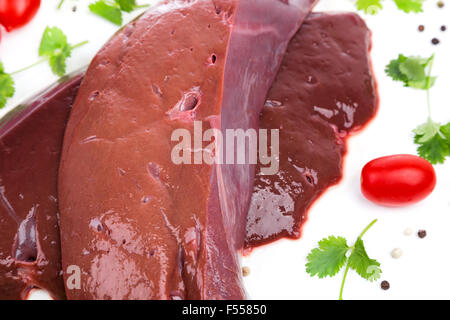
column 440, row 4
column 422, row 234
column 421, row 28
column 443, row 28
column 435, row 41
column 385, row 285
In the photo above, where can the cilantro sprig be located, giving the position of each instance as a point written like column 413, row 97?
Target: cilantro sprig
column 54, row 48
column 6, row 86
column 111, row 10
column 432, row 138
column 332, row 254
column 374, row 6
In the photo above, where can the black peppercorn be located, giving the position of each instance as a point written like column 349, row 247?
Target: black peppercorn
column 435, row 41
column 422, row 234
column 385, row 285
column 443, row 28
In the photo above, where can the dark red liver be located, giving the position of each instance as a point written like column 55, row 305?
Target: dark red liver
column 324, row 91
column 138, row 226
column 30, row 145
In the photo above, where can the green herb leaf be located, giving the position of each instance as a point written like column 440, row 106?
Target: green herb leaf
column 410, row 5
column 393, row 69
column 373, row 6
column 6, row 86
column 427, row 131
column 329, row 258
column 126, row 5
column 433, row 141
column 369, row 6
column 53, row 41
column 445, row 130
column 55, row 47
column 412, row 71
column 106, row 11
column 359, row 261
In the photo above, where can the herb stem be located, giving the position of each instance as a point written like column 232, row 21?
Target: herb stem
column 343, row 280
column 142, row 6
column 428, row 86
column 79, row 44
column 367, row 228
column 60, row 4
column 45, row 59
column 30, row 66
column 353, row 248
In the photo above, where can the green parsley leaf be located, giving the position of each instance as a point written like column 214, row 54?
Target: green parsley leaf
column 126, row 5
column 55, row 47
column 427, row 131
column 359, row 261
column 6, row 86
column 112, row 10
column 445, row 130
column 374, row 6
column 433, row 147
column 410, row 5
column 412, row 71
column 369, row 6
column 329, row 258
column 393, row 69
column 107, row 11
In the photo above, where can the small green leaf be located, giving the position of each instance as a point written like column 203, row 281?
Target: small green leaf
column 369, row 6
column 6, row 86
column 58, row 65
column 445, row 130
column 54, row 46
column 412, row 71
column 53, row 41
column 436, row 149
column 126, row 5
column 360, row 262
column 427, row 131
column 393, row 69
column 106, row 11
column 329, row 258
column 410, row 5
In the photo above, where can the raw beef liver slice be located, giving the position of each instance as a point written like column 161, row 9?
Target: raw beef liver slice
column 325, row 90
column 138, row 226
column 30, row 146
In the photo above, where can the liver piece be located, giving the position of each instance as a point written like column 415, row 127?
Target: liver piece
column 137, row 225
column 31, row 139
column 324, row 92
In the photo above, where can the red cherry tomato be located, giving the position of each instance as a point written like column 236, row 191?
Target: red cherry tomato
column 398, row 180
column 16, row 13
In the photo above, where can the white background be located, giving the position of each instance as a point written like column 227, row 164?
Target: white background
column 278, row 270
